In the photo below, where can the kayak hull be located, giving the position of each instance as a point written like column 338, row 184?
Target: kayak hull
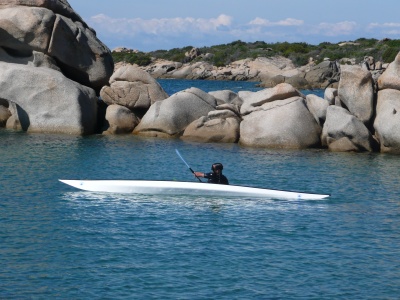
column 185, row 188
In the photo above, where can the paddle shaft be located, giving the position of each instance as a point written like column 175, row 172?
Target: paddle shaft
column 191, row 170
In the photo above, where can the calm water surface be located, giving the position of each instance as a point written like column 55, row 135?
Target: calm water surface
column 61, row 243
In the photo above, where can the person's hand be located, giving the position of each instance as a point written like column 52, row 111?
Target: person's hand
column 198, row 174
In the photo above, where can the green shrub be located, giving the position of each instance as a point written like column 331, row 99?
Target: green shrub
column 299, row 53
column 139, row 58
column 390, row 54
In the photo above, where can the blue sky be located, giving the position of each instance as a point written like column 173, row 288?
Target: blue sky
column 164, row 24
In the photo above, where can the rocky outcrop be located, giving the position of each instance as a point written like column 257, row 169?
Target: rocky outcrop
column 52, row 64
column 390, row 79
column 48, row 102
column 170, row 117
column 387, row 122
column 52, row 28
column 323, row 74
column 259, row 69
column 357, row 93
column 254, row 101
column 344, row 132
column 281, row 124
column 133, row 88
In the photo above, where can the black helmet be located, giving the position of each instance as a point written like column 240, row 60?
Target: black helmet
column 217, row 166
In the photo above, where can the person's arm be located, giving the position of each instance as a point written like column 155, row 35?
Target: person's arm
column 198, row 174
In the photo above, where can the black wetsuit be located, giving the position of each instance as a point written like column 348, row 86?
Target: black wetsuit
column 215, row 178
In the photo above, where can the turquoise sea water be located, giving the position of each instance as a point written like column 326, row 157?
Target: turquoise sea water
column 61, row 243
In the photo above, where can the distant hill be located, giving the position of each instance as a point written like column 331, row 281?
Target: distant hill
column 220, row 55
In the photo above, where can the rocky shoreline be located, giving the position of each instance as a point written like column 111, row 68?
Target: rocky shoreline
column 57, row 77
column 270, row 71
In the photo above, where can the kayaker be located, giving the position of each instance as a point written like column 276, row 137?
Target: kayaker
column 215, row 176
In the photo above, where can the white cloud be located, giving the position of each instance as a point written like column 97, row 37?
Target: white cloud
column 167, row 33
column 335, row 29
column 384, row 25
column 287, row 22
column 163, row 26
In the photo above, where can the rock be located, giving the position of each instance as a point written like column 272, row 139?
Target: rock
column 120, row 119
column 253, row 101
column 221, row 126
column 323, row 74
column 53, row 29
column 330, row 94
column 370, row 61
column 24, row 29
column 281, row 124
column 299, row 82
column 356, row 92
column 227, row 96
column 5, row 114
column 229, row 106
column 343, row 144
column 36, row 59
column 273, row 81
column 344, row 132
column 390, row 79
column 60, row 7
column 193, row 53
column 338, row 102
column 348, row 43
column 46, row 101
column 162, row 68
column 133, row 88
column 170, row 117
column 82, row 56
column 387, row 121
column 317, row 106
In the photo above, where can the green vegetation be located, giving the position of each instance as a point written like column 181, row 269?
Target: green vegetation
column 139, row 58
column 221, row 55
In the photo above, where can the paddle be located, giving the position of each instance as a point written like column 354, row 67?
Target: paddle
column 191, row 170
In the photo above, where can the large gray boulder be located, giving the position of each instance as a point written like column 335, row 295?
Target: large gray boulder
column 390, row 79
column 254, row 101
column 43, row 100
column 323, row 74
column 133, row 88
column 61, row 7
column 170, row 117
column 356, row 92
column 343, row 132
column 387, row 121
column 120, row 120
column 317, row 106
column 281, row 124
column 52, row 28
column 219, row 126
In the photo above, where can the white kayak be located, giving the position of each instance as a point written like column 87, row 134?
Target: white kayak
column 185, row 188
